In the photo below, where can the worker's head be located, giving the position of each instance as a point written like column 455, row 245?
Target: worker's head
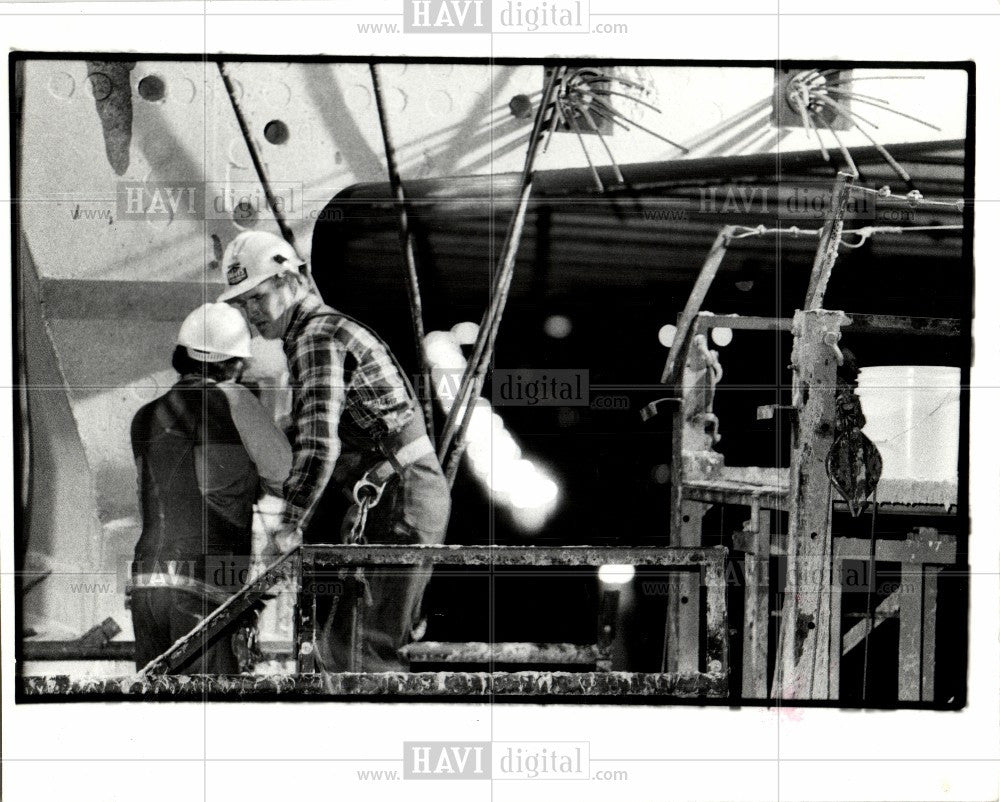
column 214, row 340
column 265, row 278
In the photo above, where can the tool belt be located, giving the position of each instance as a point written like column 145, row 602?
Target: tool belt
column 399, row 449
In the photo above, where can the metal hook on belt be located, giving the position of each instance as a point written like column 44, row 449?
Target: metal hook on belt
column 367, row 492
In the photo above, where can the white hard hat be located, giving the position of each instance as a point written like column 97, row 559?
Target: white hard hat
column 252, row 258
column 215, row 332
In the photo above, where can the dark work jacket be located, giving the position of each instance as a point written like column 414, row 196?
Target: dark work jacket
column 197, row 484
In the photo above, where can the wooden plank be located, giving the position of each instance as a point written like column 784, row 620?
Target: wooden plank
column 836, row 613
column 318, row 555
column 612, row 684
column 915, row 550
column 720, row 492
column 899, row 324
column 716, row 620
column 804, row 635
column 889, row 608
column 910, row 652
column 706, row 320
column 684, row 601
column 756, row 611
column 930, row 591
column 894, row 497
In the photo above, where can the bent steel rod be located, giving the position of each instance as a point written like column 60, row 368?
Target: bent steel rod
column 409, row 257
column 258, row 167
column 475, row 372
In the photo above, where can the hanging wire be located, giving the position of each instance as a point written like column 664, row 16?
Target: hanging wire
column 742, row 232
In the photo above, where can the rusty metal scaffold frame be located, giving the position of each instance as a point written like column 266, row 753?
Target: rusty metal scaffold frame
column 810, row 641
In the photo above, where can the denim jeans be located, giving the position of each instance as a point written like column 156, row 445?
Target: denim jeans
column 162, row 615
column 377, row 612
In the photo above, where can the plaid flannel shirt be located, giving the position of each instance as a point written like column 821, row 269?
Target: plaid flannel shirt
column 344, row 382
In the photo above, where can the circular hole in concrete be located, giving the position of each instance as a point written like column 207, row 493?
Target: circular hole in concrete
column 276, row 132
column 100, row 85
column 152, row 88
column 684, row 599
column 245, row 214
column 520, row 107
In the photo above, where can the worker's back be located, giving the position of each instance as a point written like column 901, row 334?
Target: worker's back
column 197, row 483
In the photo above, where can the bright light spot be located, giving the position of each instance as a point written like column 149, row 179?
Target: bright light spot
column 505, row 449
column 529, row 519
column 722, row 336
column 558, row 326
column 667, row 334
column 494, row 455
column 502, row 477
column 481, row 424
column 465, row 333
column 480, row 453
column 615, row 574
column 442, row 351
column 533, row 489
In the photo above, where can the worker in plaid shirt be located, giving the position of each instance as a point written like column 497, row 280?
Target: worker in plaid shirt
column 354, row 414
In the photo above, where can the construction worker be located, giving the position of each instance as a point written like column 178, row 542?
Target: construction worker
column 202, row 451
column 355, row 417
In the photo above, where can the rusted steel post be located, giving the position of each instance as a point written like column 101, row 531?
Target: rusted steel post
column 803, row 659
column 409, row 256
column 829, row 241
